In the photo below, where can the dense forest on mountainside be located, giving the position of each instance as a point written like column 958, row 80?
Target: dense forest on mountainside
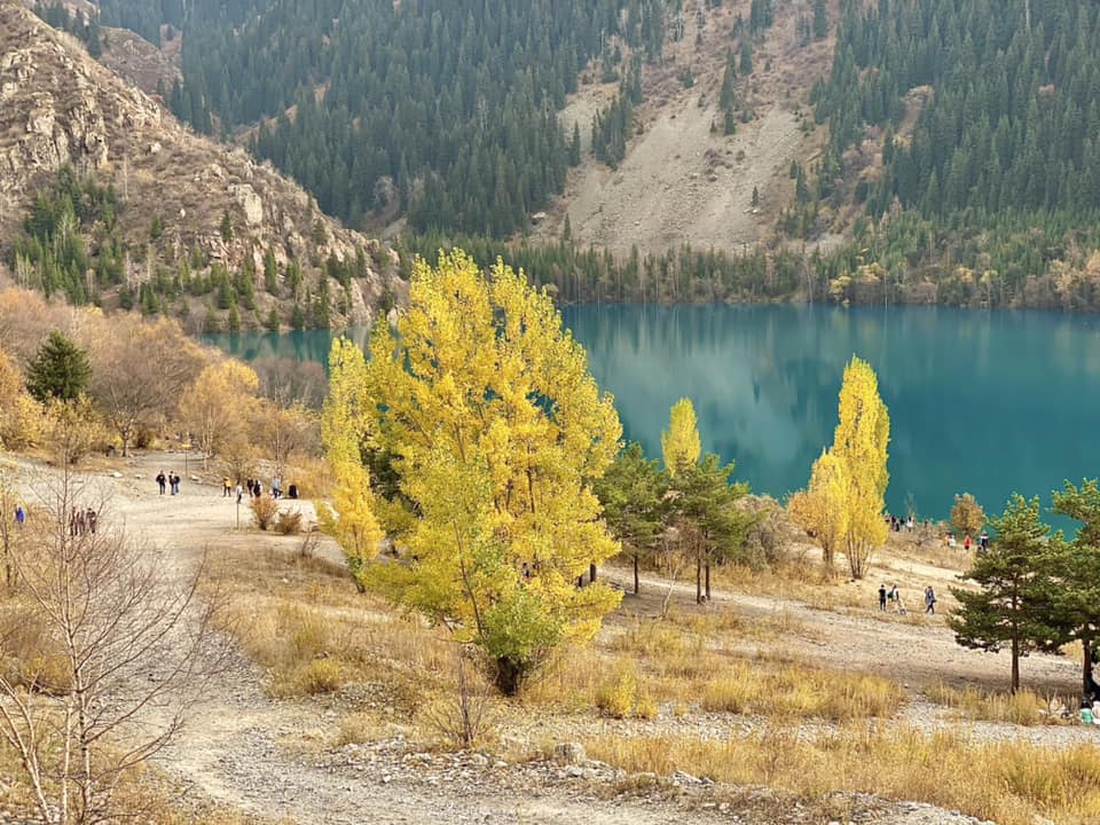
column 962, row 135
column 447, row 107
column 1000, row 172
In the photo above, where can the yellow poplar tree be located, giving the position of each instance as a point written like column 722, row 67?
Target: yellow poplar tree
column 217, row 408
column 680, row 443
column 495, row 429
column 345, row 432
column 859, row 445
column 820, row 509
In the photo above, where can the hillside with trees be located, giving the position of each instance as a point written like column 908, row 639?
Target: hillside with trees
column 105, row 199
column 915, row 175
column 984, row 171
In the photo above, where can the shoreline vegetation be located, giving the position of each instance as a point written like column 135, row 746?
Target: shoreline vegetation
column 472, row 501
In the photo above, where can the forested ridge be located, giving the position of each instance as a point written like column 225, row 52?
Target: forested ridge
column 965, row 131
column 447, row 108
column 1000, row 173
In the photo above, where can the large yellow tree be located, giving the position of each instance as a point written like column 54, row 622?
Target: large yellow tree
column 680, row 445
column 859, row 445
column 486, row 413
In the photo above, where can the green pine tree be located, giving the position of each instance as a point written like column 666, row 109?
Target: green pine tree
column 60, row 370
column 632, row 493
column 1015, row 605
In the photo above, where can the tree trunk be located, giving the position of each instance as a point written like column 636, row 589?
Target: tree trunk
column 635, row 574
column 592, row 572
column 698, row 580
column 1015, row 664
column 1086, row 668
column 708, row 580
column 509, row 675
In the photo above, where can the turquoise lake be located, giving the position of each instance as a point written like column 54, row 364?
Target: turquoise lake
column 983, row 402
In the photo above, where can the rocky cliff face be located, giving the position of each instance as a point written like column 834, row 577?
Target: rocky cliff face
column 58, row 107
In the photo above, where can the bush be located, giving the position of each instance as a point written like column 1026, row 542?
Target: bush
column 289, row 523
column 615, row 697
column 264, row 509
column 35, row 659
column 321, row 676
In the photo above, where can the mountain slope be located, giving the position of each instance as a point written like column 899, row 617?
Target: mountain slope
column 180, row 197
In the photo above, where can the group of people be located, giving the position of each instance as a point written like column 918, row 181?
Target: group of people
column 82, row 522
column 949, row 540
column 909, row 523
column 893, row 597
column 171, row 481
column 256, row 488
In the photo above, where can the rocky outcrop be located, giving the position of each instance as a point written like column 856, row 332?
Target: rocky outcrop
column 58, row 107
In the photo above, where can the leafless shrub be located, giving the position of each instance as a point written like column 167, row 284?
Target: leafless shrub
column 108, row 650
column 463, row 719
column 264, row 510
column 289, row 522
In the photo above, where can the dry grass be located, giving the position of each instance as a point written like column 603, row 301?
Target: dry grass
column 142, row 794
column 1023, row 708
column 693, row 662
column 799, row 692
column 1009, row 782
column 303, row 621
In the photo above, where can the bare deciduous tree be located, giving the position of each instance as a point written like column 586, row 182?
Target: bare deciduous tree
column 139, row 371
column 124, row 644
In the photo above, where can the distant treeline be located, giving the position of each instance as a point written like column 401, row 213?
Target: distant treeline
column 1053, row 271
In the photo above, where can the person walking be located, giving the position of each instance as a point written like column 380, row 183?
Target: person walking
column 227, row 486
column 929, row 600
column 240, row 492
column 91, row 517
column 174, row 483
column 983, row 540
column 20, row 516
column 967, row 542
column 276, row 487
column 162, row 481
column 882, row 597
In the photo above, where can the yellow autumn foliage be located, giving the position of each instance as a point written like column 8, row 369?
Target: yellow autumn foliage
column 491, row 421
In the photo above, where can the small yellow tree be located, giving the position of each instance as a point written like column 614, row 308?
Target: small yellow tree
column 820, row 508
column 344, row 430
column 217, row 408
column 967, row 516
column 20, row 415
column 680, row 443
column 859, row 446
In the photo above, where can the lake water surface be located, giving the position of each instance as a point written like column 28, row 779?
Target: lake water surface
column 985, row 402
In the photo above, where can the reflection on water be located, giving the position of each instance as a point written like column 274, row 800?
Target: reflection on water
column 986, row 402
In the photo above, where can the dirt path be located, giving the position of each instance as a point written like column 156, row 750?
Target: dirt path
column 274, row 760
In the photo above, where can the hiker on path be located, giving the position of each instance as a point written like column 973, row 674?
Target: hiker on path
column 882, row 597
column 161, row 480
column 20, row 516
column 174, row 483
column 967, row 542
column 227, row 485
column 930, row 600
column 240, row 492
column 91, row 517
column 276, row 487
column 983, row 540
